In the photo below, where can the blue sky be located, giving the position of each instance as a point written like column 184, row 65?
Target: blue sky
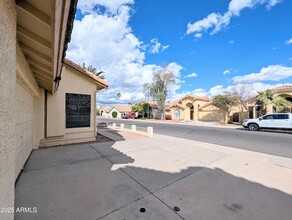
column 210, row 45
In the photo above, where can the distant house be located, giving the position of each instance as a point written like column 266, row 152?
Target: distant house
column 104, row 111
column 256, row 107
column 107, row 112
column 154, row 112
column 192, row 107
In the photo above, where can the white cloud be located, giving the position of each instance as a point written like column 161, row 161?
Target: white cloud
column 290, row 58
column 155, row 46
column 269, row 73
column 217, row 21
column 230, row 70
column 198, row 35
column 202, row 25
column 272, row 3
column 219, row 89
column 191, row 75
column 226, row 72
column 106, row 41
column 112, row 6
column 231, row 41
column 163, row 48
column 289, row 41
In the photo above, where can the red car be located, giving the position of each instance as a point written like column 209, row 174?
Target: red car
column 129, row 116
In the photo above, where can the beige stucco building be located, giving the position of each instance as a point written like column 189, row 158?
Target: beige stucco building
column 197, row 108
column 200, row 108
column 107, row 111
column 81, row 86
column 44, row 99
column 256, row 107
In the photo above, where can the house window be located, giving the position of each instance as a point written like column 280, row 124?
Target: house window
column 176, row 113
column 77, row 110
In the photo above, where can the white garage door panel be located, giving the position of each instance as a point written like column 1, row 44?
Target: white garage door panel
column 23, row 126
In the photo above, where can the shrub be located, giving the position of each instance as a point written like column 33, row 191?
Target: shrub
column 114, row 114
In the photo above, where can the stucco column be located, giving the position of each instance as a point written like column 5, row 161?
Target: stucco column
column 195, row 116
column 254, row 112
column 7, row 108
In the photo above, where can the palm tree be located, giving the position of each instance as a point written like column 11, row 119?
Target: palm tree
column 93, row 70
column 268, row 97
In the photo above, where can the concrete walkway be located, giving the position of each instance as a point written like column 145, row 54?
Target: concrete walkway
column 194, row 123
column 147, row 178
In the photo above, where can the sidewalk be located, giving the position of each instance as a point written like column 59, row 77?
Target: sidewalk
column 145, row 178
column 194, row 123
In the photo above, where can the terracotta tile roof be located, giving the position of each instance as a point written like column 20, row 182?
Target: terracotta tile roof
column 124, row 108
column 281, row 88
column 80, row 69
column 174, row 103
column 203, row 98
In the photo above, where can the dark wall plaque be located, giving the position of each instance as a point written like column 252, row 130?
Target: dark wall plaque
column 78, row 108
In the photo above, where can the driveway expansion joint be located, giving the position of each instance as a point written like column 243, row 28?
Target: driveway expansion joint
column 150, row 193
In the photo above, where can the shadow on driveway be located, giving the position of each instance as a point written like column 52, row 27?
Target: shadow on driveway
column 79, row 182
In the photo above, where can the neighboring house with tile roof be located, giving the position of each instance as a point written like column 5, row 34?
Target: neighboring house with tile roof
column 255, row 107
column 192, row 107
column 120, row 109
column 104, row 111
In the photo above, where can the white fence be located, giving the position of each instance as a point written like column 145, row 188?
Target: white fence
column 132, row 128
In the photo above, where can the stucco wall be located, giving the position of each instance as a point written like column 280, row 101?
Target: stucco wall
column 211, row 113
column 72, row 82
column 26, row 91
column 7, row 86
column 24, row 126
column 196, row 104
column 39, row 118
column 182, row 113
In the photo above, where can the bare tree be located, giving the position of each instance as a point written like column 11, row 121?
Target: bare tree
column 243, row 91
column 162, row 80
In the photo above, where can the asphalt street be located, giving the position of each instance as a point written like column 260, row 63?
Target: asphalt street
column 270, row 142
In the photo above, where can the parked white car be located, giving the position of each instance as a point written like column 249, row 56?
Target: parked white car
column 271, row 121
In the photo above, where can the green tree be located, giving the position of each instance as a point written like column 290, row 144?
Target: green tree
column 162, row 80
column 226, row 102
column 114, row 114
column 142, row 108
column 93, row 70
column 268, row 97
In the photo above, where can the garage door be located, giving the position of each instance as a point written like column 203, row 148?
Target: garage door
column 23, row 127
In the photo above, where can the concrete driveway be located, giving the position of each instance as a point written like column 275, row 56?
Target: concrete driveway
column 154, row 178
